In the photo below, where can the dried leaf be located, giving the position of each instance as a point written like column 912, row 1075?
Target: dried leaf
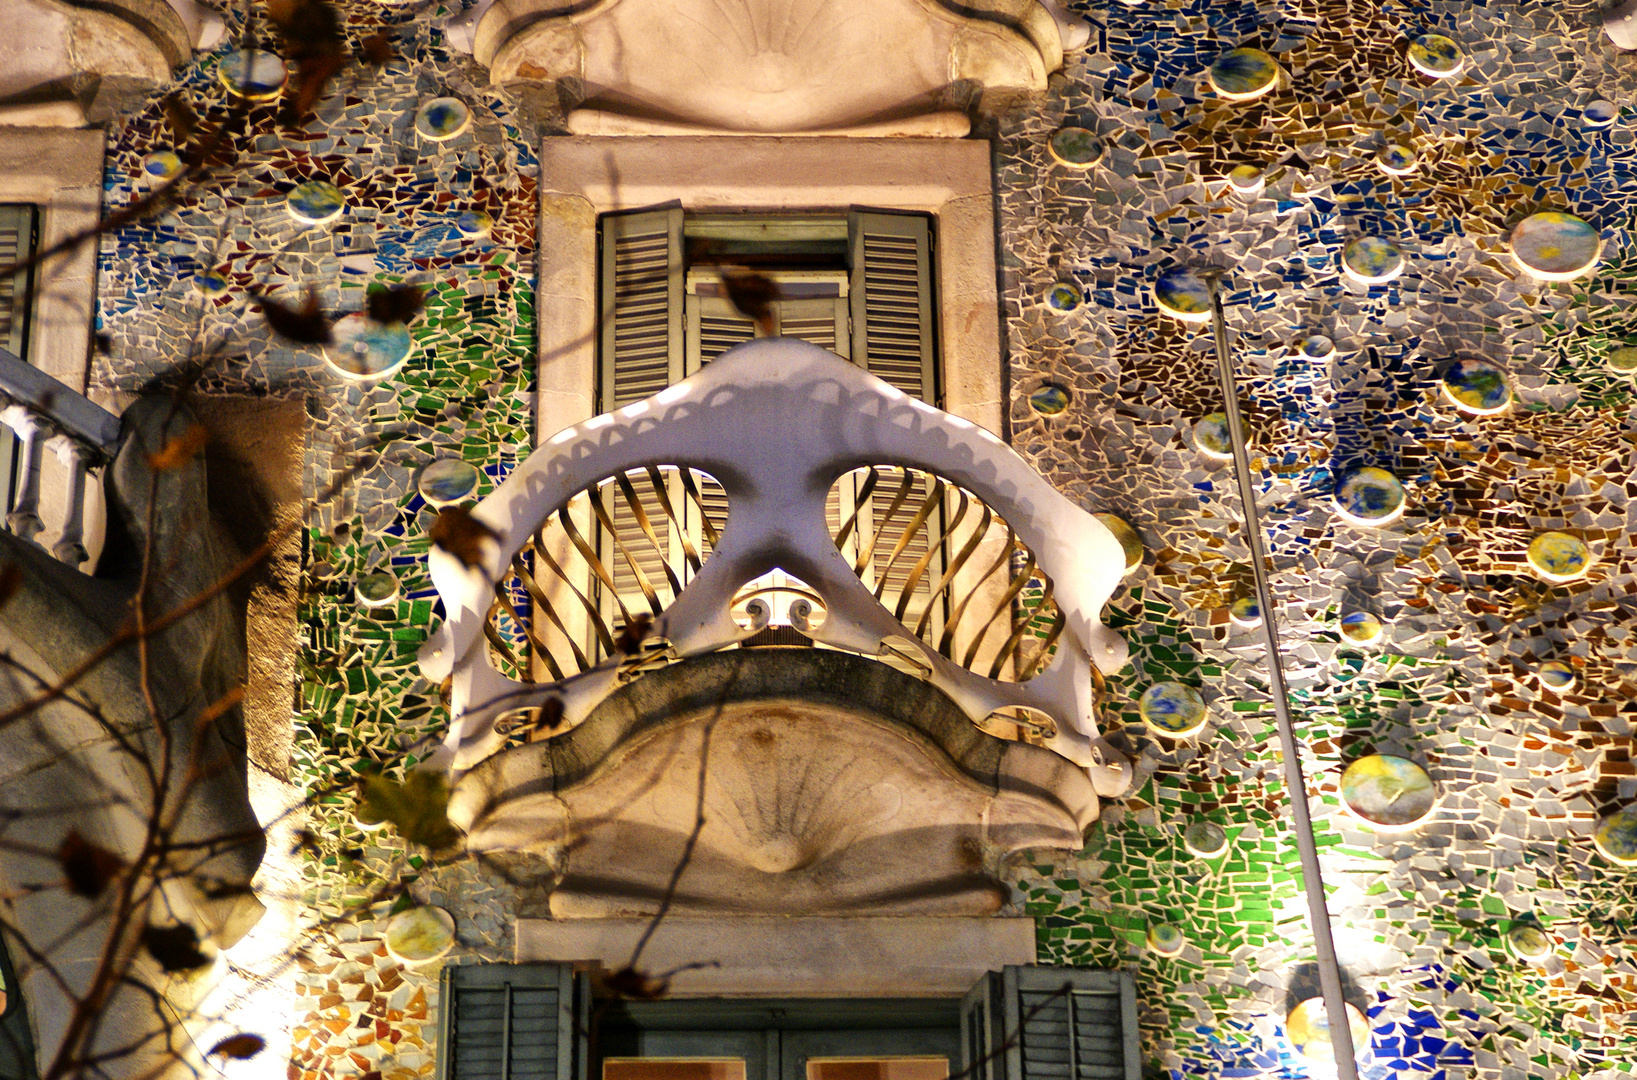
column 418, row 808
column 180, row 450
column 175, row 947
column 549, row 717
column 397, row 304
column 377, row 48
column 183, row 120
column 312, row 76
column 631, row 983
column 11, row 576
column 239, row 1047
column 89, row 868
column 312, row 38
column 462, row 535
column 753, row 295
column 222, row 890
column 630, row 639
column 306, row 325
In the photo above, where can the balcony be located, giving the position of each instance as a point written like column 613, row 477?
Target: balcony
column 729, row 484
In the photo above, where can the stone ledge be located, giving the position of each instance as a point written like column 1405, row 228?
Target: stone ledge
column 915, row 956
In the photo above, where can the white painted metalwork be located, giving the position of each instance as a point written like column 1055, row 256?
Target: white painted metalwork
column 777, row 421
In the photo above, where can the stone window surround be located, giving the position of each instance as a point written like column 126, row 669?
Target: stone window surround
column 583, row 177
column 60, row 171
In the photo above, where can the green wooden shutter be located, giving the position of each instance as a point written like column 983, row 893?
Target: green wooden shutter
column 819, row 320
column 19, row 231
column 1022, row 1024
column 893, row 338
column 714, row 327
column 642, row 353
column 891, row 290
column 17, row 234
column 641, row 305
column 512, row 1022
column 16, row 1037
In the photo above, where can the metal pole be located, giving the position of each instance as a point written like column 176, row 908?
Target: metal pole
column 1335, row 1004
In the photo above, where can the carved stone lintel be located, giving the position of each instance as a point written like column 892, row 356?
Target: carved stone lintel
column 848, row 67
column 832, row 785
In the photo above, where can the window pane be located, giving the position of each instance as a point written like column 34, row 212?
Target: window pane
column 894, row 1068
column 678, row 1069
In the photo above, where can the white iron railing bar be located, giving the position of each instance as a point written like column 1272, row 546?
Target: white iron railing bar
column 1335, row 1002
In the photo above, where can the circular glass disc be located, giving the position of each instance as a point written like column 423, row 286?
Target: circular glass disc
column 365, row 349
column 1558, row 556
column 315, row 202
column 1477, row 387
column 1076, row 147
column 1554, row 246
column 1616, row 836
column 1243, row 74
column 447, row 481
column 1388, row 792
column 442, row 118
column 1205, row 839
column 1366, row 495
column 1436, row 56
column 1371, row 260
column 1172, row 709
column 1309, row 1029
column 1183, row 294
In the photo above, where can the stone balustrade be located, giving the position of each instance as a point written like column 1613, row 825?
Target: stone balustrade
column 44, row 413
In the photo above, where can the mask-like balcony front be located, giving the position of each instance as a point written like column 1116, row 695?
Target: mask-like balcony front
column 608, row 604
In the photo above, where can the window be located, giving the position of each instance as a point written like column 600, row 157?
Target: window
column 19, row 234
column 19, row 223
column 533, row 1022
column 859, row 284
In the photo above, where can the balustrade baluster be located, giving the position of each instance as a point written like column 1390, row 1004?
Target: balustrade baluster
column 70, row 547
column 24, row 519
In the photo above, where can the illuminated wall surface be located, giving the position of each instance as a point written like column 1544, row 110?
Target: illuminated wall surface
column 1524, row 772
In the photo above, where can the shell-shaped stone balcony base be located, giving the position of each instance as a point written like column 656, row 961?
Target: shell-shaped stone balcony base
column 833, row 784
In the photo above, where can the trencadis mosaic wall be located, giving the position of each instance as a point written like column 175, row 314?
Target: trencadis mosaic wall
column 1524, row 772
column 464, row 393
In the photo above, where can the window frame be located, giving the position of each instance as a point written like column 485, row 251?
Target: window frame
column 786, row 1031
column 60, row 172
column 650, row 337
column 1022, row 1022
column 585, row 177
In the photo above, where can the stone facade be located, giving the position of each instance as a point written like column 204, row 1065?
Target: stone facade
column 1524, row 772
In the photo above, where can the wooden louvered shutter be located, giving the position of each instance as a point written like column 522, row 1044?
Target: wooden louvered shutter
column 641, row 305
column 17, row 228
column 892, row 338
column 714, row 327
column 891, row 290
column 512, row 1022
column 1021, row 1024
column 642, row 354
column 19, row 225
column 16, row 1035
column 819, row 320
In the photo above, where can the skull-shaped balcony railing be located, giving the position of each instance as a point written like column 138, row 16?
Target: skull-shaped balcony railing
column 782, row 476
